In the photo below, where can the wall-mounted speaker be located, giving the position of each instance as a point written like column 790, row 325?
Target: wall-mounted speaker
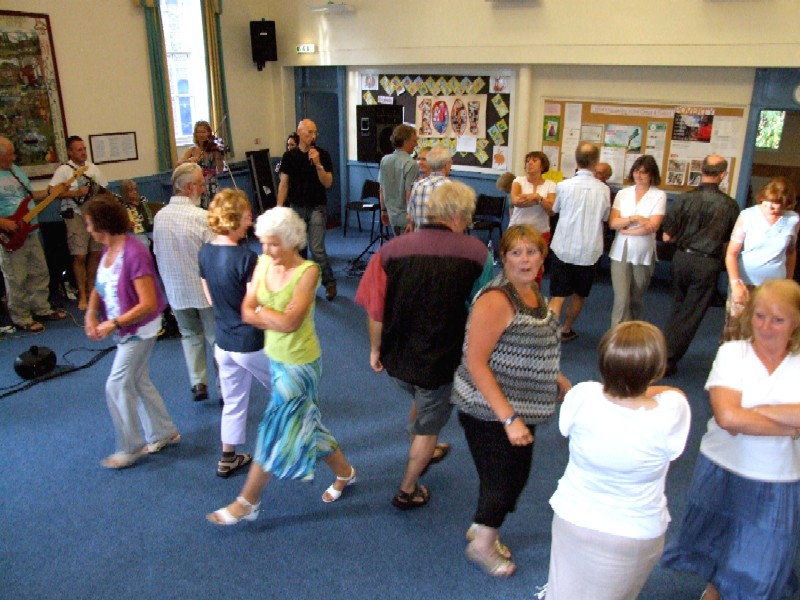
column 375, row 124
column 263, row 42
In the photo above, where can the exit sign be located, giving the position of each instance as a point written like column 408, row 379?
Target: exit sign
column 306, row 49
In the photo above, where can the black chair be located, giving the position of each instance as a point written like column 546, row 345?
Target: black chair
column 489, row 212
column 369, row 202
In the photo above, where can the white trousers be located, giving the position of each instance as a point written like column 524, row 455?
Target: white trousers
column 236, row 373
column 133, row 400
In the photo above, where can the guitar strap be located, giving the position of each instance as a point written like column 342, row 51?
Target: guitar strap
column 93, row 186
column 25, row 187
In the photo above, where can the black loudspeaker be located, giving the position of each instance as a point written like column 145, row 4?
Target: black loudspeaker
column 374, row 126
column 263, row 42
column 262, row 180
column 35, row 362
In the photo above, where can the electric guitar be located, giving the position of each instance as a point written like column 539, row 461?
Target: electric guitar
column 13, row 240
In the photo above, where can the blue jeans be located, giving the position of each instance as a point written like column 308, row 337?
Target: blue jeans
column 316, row 219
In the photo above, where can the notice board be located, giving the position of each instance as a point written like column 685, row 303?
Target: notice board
column 677, row 136
column 469, row 114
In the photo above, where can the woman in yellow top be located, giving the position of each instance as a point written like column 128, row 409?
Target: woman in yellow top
column 291, row 436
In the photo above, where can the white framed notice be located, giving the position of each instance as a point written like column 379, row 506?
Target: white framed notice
column 113, row 147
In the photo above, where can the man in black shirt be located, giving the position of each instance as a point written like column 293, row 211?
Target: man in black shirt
column 306, row 172
column 699, row 223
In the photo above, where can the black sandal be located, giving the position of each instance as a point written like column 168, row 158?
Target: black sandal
column 405, row 501
column 226, row 468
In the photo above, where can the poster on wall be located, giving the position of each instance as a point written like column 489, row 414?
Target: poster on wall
column 31, row 110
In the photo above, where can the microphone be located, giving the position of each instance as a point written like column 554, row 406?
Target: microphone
column 314, row 146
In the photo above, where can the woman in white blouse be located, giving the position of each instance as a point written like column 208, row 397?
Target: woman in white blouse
column 741, row 526
column 532, row 197
column 636, row 216
column 610, row 509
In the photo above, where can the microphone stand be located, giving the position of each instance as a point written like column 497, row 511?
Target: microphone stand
column 224, row 154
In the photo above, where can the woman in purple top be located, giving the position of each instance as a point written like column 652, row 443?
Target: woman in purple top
column 127, row 303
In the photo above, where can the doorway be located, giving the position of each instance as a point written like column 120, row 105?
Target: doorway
column 319, row 96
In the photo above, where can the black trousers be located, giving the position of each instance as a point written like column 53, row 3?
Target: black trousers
column 503, row 469
column 694, row 281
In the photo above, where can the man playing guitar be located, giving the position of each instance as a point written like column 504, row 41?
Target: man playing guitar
column 25, row 269
column 84, row 250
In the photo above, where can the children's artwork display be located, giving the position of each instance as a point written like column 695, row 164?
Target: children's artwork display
column 469, row 114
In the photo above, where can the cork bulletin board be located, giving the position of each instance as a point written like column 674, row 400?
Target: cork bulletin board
column 470, row 114
column 677, row 136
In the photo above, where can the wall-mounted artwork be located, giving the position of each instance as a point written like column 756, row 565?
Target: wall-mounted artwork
column 31, row 111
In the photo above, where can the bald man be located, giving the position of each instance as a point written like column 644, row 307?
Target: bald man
column 699, row 223
column 305, row 175
column 602, row 171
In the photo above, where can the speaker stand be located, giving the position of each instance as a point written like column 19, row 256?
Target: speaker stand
column 358, row 264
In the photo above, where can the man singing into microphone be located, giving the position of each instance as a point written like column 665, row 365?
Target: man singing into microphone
column 306, row 172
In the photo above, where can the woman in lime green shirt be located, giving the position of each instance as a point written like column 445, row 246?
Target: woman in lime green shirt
column 291, row 436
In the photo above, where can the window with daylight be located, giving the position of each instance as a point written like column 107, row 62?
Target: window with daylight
column 182, row 22
column 770, row 129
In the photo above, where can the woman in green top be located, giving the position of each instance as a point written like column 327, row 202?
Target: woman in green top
column 291, row 436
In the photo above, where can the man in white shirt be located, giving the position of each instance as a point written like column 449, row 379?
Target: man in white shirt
column 84, row 249
column 179, row 231
column 582, row 203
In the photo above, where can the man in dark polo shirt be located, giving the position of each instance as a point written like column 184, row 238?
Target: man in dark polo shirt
column 416, row 291
column 699, row 223
column 306, row 172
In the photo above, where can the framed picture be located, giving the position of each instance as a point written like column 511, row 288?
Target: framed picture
column 113, row 147
column 31, row 111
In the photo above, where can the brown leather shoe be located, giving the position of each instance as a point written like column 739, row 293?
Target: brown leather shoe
column 200, row 392
column 330, row 291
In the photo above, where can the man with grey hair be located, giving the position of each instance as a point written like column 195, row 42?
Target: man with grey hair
column 416, row 290
column 397, row 175
column 24, row 269
column 440, row 160
column 179, row 231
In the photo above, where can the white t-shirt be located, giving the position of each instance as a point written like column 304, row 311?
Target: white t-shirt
column 533, row 215
column 618, row 461
column 65, row 172
column 765, row 458
column 763, row 254
column 641, row 249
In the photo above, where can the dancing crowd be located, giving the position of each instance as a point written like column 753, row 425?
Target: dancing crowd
column 452, row 331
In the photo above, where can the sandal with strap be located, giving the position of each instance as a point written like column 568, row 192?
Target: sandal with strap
column 405, row 501
column 54, row 315
column 224, row 517
column 494, row 564
column 501, row 548
column 32, row 327
column 226, row 468
column 440, row 452
column 332, row 494
column 158, row 446
column 121, row 460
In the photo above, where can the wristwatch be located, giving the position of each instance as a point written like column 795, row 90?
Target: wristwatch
column 510, row 420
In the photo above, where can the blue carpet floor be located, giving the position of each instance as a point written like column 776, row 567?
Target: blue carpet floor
column 71, row 529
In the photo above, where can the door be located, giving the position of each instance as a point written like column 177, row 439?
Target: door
column 320, row 94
